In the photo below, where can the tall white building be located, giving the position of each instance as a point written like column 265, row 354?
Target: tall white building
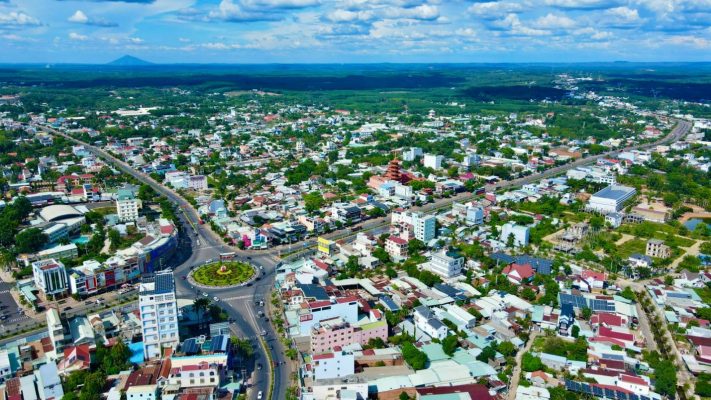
column 159, row 313
column 446, row 265
column 127, row 205
column 55, row 330
column 50, row 277
column 424, row 226
column 433, row 161
column 411, row 153
column 520, row 234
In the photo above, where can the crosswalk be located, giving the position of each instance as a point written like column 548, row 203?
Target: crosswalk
column 249, row 296
column 4, row 291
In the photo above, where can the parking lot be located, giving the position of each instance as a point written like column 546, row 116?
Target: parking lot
column 10, row 312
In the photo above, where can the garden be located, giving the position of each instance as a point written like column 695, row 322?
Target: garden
column 223, row 274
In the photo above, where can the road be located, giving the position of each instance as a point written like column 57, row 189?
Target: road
column 199, row 243
column 516, row 375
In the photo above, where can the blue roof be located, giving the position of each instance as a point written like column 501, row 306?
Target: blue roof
column 502, row 257
column 190, row 346
column 219, row 344
column 614, row 192
column 389, row 303
column 315, row 291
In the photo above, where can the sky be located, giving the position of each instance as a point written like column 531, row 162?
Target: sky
column 354, row 31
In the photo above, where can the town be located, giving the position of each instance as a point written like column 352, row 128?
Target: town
column 260, row 247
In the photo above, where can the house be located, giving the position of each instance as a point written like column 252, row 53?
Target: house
column 518, row 273
column 657, row 249
column 396, row 247
column 566, row 319
column 427, row 322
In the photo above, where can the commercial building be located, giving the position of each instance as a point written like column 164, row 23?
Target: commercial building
column 127, row 205
column 333, row 365
column 50, row 277
column 159, row 313
column 610, row 199
column 313, row 312
column 336, row 332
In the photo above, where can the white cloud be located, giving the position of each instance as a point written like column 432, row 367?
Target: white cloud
column 494, row 9
column 553, row 21
column 512, row 25
column 15, row 18
column 583, row 4
column 621, row 17
column 78, row 37
column 286, row 4
column 341, row 15
column 233, row 12
column 79, row 17
column 424, row 12
column 688, row 40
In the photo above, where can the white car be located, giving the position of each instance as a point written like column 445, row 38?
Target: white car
column 259, row 395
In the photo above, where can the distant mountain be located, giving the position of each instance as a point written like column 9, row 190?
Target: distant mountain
column 129, row 61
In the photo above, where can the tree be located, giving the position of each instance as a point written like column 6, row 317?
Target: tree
column 628, row 294
column 313, row 201
column 414, row 357
column 200, row 305
column 404, row 396
column 665, row 378
column 450, row 344
column 575, row 332
column 415, row 246
column 487, row 353
column 507, row 348
column 528, row 294
column 30, row 240
column 115, row 239
column 530, row 363
column 586, row 313
column 375, row 212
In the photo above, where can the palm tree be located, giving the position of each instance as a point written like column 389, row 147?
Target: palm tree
column 200, row 304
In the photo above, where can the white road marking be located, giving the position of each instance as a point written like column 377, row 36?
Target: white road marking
column 237, row 297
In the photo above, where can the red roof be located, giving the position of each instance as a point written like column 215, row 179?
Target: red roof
column 607, row 319
column 397, row 240
column 524, row 271
column 605, row 331
column 323, row 356
column 598, row 276
column 633, row 379
column 475, row 391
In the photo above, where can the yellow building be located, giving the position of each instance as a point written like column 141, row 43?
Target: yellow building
column 325, row 246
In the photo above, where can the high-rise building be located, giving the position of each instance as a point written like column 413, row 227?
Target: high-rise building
column 159, row 313
column 424, row 226
column 50, row 277
column 433, row 161
column 127, row 205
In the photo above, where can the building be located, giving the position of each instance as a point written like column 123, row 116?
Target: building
column 49, row 385
column 445, row 264
column 411, row 153
column 336, row 332
column 396, row 247
column 59, row 252
column 657, row 249
column 433, row 161
column 142, row 392
column 610, row 199
column 333, row 365
column 55, row 330
column 159, row 313
column 427, row 322
column 127, row 205
column 424, row 226
column 313, row 312
column 520, row 234
column 50, row 277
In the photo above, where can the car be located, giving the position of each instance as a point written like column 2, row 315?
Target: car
column 259, row 365
column 264, row 333
column 185, row 277
column 249, row 284
column 204, row 294
column 259, row 395
column 215, row 299
column 3, row 317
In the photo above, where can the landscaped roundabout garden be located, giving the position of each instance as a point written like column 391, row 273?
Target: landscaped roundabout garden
column 223, row 274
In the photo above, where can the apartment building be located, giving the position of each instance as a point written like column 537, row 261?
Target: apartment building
column 159, row 313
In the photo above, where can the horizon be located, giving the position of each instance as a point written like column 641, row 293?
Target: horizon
column 235, row 32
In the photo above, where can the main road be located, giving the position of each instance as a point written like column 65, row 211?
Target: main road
column 199, row 244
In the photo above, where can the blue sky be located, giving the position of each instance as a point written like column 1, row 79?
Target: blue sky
column 346, row 31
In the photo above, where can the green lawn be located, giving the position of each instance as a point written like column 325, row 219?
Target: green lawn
column 630, row 247
column 211, row 275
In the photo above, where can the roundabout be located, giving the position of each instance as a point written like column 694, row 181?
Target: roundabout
column 222, row 274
